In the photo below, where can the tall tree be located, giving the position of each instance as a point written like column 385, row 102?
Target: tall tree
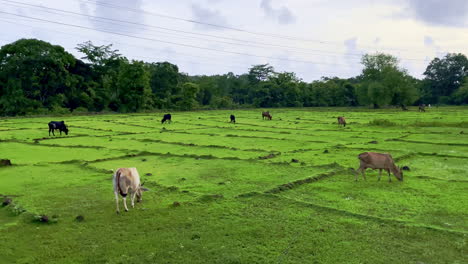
column 444, row 76
column 383, row 82
column 33, row 74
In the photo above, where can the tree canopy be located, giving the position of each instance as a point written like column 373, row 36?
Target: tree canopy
column 37, row 77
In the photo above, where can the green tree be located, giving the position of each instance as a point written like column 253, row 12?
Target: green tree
column 164, row 82
column 33, row 74
column 133, row 87
column 188, row 96
column 259, row 73
column 383, row 82
column 460, row 96
column 444, row 76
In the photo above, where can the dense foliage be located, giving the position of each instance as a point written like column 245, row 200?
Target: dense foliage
column 38, row 77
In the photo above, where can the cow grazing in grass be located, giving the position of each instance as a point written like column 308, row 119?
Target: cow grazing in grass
column 341, row 121
column 127, row 181
column 266, row 115
column 58, row 125
column 422, row 108
column 233, row 119
column 166, row 118
column 378, row 161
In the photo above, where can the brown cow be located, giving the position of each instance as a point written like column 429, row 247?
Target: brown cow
column 378, row 161
column 127, row 180
column 266, row 115
column 341, row 121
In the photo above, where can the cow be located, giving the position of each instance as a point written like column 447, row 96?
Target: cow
column 233, row 119
column 341, row 121
column 422, row 108
column 266, row 115
column 378, row 161
column 58, row 125
column 127, row 181
column 166, row 118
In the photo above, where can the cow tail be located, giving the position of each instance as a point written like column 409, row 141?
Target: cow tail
column 117, row 175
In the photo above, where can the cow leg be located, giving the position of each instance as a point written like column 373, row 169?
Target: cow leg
column 358, row 171
column 380, row 173
column 364, row 174
column 389, row 177
column 53, row 132
column 49, row 131
column 125, row 203
column 132, row 196
column 117, row 201
column 60, row 131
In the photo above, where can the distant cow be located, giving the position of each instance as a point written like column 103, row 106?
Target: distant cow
column 166, row 118
column 125, row 181
column 341, row 121
column 233, row 119
column 378, row 161
column 266, row 115
column 58, row 125
column 422, row 108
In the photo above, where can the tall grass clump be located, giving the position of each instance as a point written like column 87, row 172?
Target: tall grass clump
column 382, row 122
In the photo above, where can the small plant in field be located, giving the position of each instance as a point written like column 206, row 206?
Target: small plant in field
column 382, row 122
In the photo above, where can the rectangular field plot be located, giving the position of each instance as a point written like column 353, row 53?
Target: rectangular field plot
column 211, row 176
column 443, row 168
column 134, row 146
column 446, row 138
column 53, row 189
column 245, row 143
column 415, row 200
column 20, row 153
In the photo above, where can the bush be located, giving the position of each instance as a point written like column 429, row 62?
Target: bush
column 382, row 122
column 80, row 110
column 58, row 110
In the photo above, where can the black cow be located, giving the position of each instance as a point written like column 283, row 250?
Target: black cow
column 166, row 117
column 58, row 125
column 422, row 108
column 233, row 119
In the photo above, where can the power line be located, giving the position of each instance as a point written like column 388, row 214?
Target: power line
column 241, row 41
column 171, row 42
column 106, row 4
column 318, row 52
column 238, row 66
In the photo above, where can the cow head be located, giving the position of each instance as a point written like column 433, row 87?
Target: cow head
column 65, row 129
column 139, row 192
column 398, row 173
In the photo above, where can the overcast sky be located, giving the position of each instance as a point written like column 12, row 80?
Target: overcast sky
column 313, row 38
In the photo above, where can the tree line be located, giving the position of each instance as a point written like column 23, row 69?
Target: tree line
column 37, row 77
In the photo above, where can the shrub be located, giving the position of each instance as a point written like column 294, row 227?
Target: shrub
column 382, row 122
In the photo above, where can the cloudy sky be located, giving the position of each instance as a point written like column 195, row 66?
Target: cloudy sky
column 313, row 38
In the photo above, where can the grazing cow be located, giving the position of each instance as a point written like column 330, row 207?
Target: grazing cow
column 381, row 162
column 233, row 119
column 422, row 108
column 166, row 117
column 266, row 115
column 127, row 180
column 341, row 121
column 58, row 125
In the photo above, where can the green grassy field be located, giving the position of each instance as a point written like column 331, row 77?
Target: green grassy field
column 242, row 198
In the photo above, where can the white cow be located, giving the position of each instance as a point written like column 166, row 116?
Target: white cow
column 127, row 180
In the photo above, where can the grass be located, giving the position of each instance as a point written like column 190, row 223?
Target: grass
column 258, row 191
